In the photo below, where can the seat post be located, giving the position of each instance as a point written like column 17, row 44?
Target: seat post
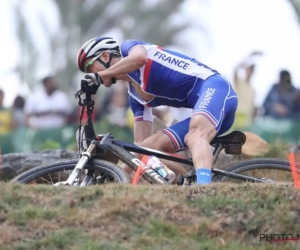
column 217, row 151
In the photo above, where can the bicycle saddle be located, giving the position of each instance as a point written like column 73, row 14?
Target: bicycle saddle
column 232, row 142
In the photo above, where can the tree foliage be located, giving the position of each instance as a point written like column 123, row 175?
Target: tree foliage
column 80, row 20
column 296, row 6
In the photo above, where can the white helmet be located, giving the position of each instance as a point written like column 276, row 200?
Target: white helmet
column 94, row 46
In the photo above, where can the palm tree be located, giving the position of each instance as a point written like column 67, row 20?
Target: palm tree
column 296, row 5
column 29, row 54
column 82, row 19
column 151, row 23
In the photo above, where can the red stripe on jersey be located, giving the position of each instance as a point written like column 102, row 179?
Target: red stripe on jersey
column 147, row 72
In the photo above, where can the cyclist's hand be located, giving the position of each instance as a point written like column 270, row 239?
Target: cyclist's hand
column 90, row 83
column 93, row 78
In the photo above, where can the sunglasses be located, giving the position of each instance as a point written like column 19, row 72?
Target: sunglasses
column 91, row 62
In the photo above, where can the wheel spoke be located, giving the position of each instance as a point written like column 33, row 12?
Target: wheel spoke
column 259, row 168
column 46, row 180
column 275, row 174
column 59, row 171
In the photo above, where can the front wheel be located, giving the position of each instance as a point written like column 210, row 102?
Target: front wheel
column 264, row 168
column 101, row 172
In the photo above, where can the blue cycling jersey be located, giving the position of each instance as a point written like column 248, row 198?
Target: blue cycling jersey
column 168, row 75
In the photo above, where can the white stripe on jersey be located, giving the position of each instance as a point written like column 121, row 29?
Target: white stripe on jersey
column 176, row 63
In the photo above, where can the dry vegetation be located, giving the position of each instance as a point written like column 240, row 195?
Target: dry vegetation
column 220, row 216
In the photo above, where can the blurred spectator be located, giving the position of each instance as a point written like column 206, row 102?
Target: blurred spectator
column 179, row 114
column 117, row 105
column 75, row 115
column 102, row 107
column 282, row 100
column 243, row 73
column 5, row 116
column 161, row 112
column 48, row 108
column 114, row 106
column 18, row 114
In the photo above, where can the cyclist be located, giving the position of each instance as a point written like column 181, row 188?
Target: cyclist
column 158, row 76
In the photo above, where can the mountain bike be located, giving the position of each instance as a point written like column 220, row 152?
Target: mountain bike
column 99, row 155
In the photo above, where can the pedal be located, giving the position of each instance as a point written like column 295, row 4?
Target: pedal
column 187, row 182
column 180, row 180
column 188, row 179
column 191, row 173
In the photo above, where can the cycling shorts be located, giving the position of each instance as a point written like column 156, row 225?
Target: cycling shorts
column 216, row 100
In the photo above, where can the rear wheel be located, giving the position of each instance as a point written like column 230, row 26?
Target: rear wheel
column 101, row 172
column 270, row 169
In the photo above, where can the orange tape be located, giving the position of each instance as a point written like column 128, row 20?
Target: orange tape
column 140, row 171
column 0, row 163
column 295, row 173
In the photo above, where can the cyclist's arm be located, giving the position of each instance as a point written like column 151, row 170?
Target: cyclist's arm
column 137, row 58
column 142, row 120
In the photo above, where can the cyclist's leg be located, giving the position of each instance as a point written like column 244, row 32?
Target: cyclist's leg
column 216, row 102
column 161, row 141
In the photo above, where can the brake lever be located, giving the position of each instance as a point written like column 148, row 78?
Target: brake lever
column 78, row 96
column 85, row 89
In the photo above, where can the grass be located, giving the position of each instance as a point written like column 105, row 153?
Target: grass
column 220, row 216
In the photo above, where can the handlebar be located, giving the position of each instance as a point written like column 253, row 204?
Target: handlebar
column 85, row 100
column 88, row 91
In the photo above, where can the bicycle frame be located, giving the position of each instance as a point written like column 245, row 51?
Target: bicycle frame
column 102, row 143
column 123, row 151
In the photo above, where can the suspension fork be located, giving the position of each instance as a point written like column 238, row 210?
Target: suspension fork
column 86, row 156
